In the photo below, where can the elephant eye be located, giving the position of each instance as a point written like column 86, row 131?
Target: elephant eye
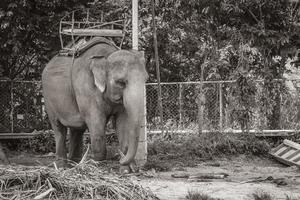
column 121, row 83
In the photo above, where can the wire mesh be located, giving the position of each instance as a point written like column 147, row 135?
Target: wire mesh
column 187, row 106
column 21, row 107
column 215, row 106
column 5, row 106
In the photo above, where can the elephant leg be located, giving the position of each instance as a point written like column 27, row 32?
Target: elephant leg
column 98, row 138
column 76, row 144
column 121, row 128
column 60, row 133
column 122, row 132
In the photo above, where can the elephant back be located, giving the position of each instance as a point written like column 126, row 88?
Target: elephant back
column 82, row 45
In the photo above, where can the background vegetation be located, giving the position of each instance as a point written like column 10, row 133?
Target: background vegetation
column 221, row 39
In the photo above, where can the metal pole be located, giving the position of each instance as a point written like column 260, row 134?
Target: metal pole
column 135, row 36
column 180, row 105
column 157, row 65
column 12, row 106
column 221, row 107
column 72, row 28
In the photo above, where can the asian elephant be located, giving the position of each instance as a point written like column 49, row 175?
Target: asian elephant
column 84, row 92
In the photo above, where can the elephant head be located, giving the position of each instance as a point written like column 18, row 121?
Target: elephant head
column 121, row 78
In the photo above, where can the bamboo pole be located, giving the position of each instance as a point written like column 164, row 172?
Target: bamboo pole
column 157, row 64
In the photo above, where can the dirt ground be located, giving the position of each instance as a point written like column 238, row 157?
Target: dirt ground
column 245, row 177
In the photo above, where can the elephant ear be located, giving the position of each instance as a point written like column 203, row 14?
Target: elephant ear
column 98, row 67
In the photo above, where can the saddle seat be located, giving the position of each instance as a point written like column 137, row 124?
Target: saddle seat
column 82, row 44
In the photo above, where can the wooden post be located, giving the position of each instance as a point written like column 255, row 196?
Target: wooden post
column 12, row 106
column 141, row 155
column 157, row 67
column 201, row 99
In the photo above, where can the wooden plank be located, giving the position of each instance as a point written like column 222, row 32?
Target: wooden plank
column 94, row 32
column 288, row 153
column 283, row 148
column 291, row 144
column 282, row 153
column 274, row 150
column 293, row 155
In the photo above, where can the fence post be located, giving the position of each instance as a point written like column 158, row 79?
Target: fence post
column 221, row 107
column 12, row 106
column 180, row 106
column 141, row 155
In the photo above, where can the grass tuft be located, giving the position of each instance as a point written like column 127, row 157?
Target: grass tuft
column 262, row 196
column 194, row 195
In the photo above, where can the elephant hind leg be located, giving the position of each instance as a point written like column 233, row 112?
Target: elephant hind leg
column 60, row 132
column 76, row 144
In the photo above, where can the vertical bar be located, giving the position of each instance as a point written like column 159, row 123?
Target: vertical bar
column 200, row 96
column 200, row 99
column 180, row 106
column 12, row 106
column 60, row 35
column 27, row 108
column 141, row 156
column 157, row 66
column 221, row 107
column 72, row 32
column 135, row 24
column 102, row 16
column 87, row 15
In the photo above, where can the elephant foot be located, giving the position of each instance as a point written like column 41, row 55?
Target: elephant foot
column 61, row 164
column 99, row 156
column 131, row 168
column 124, row 169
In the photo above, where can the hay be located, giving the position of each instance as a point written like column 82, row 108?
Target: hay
column 87, row 180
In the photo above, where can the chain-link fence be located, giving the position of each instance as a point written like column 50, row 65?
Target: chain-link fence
column 21, row 107
column 217, row 106
column 187, row 106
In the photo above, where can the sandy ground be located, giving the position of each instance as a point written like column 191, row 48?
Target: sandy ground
column 237, row 186
column 241, row 183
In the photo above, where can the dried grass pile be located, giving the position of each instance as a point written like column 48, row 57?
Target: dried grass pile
column 85, row 181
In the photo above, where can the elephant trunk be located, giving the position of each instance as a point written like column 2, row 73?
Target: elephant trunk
column 133, row 99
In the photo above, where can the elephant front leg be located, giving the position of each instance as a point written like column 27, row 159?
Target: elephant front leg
column 122, row 131
column 98, row 138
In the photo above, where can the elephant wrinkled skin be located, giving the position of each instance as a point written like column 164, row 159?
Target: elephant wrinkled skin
column 83, row 94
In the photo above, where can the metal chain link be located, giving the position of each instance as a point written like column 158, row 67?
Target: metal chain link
column 185, row 109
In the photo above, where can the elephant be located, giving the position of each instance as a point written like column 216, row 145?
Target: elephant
column 84, row 92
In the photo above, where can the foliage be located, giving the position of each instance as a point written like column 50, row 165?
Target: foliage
column 42, row 143
column 29, row 35
column 189, row 149
column 262, row 196
column 232, row 39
